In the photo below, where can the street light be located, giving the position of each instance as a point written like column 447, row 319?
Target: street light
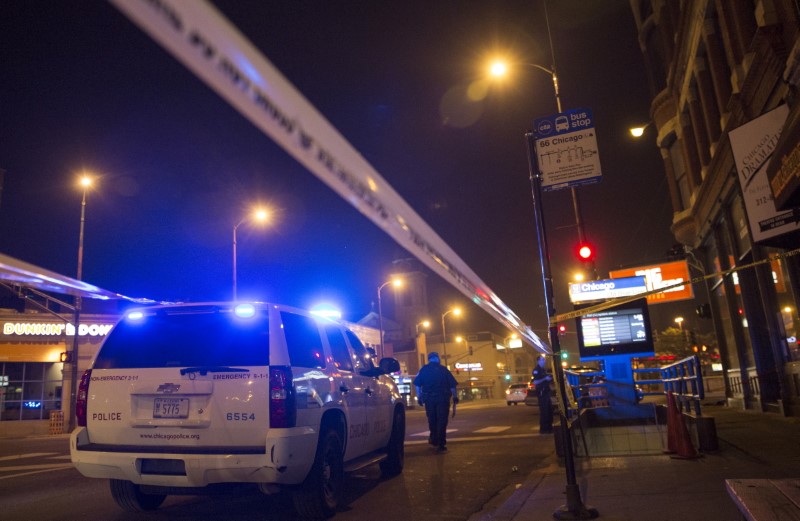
column 85, row 183
column 425, row 324
column 639, row 131
column 679, row 321
column 396, row 283
column 259, row 215
column 456, row 312
column 498, row 69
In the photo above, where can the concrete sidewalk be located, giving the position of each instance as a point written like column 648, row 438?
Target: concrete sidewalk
column 657, row 487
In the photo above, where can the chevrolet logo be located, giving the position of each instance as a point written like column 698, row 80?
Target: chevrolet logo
column 168, row 388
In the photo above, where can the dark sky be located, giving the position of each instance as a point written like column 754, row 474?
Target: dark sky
column 82, row 88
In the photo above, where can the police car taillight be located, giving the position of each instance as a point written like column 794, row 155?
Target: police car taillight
column 282, row 405
column 82, row 398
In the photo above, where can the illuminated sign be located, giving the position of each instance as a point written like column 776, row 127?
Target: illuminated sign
column 474, row 366
column 4, row 381
column 54, row 329
column 513, row 343
column 658, row 276
column 606, row 289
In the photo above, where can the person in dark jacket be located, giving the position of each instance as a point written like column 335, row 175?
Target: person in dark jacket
column 541, row 381
column 435, row 386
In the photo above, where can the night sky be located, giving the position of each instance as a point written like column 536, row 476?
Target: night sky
column 83, row 88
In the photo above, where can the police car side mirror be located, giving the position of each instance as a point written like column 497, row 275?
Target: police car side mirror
column 389, row 365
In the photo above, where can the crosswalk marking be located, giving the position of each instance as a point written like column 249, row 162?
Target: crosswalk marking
column 30, row 455
column 492, row 429
column 426, row 433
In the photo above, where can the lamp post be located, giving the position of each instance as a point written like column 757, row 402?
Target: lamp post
column 679, row 321
column 456, row 312
column 396, row 283
column 85, row 182
column 425, row 324
column 259, row 215
column 498, row 69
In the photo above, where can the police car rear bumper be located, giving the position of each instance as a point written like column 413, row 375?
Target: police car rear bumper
column 286, row 460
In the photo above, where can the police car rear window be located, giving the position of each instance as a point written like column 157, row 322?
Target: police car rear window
column 187, row 340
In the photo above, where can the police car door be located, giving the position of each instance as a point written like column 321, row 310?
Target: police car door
column 378, row 397
column 350, row 388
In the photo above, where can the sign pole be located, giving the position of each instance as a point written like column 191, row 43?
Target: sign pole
column 574, row 509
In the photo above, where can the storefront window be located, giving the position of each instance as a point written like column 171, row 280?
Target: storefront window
column 29, row 390
column 786, row 303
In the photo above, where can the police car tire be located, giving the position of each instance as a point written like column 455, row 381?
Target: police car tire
column 318, row 496
column 131, row 499
column 395, row 450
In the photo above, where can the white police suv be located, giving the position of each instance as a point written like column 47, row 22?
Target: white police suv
column 182, row 398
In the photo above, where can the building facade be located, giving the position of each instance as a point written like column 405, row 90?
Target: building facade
column 35, row 374
column 724, row 78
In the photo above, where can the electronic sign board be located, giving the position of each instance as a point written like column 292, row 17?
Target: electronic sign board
column 623, row 329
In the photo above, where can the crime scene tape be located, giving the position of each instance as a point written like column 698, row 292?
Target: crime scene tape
column 204, row 41
column 623, row 300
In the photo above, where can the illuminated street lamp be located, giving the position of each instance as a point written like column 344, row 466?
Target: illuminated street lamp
column 639, row 131
column 85, row 183
column 396, row 283
column 456, row 312
column 259, row 215
column 679, row 321
column 425, row 325
column 499, row 68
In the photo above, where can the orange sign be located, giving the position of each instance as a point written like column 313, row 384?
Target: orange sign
column 661, row 275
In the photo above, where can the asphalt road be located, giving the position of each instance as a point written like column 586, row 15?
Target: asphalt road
column 492, row 448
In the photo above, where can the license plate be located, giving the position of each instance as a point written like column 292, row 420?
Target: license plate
column 171, row 408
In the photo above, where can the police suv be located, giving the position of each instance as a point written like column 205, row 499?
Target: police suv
column 182, row 398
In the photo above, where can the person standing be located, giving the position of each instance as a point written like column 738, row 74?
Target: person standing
column 435, row 386
column 541, row 381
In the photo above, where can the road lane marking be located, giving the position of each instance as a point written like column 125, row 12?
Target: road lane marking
column 492, row 429
column 427, row 433
column 29, row 455
column 478, row 438
column 34, row 469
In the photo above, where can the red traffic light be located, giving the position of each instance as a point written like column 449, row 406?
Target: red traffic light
column 562, row 329
column 585, row 252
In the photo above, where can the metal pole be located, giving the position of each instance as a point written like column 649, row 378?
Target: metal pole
column 234, row 261
column 73, row 388
column 380, row 316
column 444, row 340
column 574, row 509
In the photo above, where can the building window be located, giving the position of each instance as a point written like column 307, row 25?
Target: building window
column 29, row 390
column 681, row 177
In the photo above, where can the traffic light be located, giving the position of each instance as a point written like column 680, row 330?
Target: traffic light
column 585, row 252
column 703, row 311
column 562, row 329
column 508, row 376
column 564, row 355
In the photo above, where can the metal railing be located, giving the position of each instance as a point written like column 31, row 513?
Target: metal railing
column 684, row 379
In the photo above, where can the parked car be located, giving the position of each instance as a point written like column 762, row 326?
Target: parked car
column 516, row 393
column 530, row 397
column 183, row 397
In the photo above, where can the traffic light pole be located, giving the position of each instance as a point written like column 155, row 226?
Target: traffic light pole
column 574, row 509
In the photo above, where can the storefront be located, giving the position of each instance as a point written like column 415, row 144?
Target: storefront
column 35, row 368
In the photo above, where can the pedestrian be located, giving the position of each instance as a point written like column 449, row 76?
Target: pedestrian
column 541, row 381
column 435, row 386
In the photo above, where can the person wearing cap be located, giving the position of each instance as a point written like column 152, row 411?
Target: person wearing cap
column 541, row 381
column 435, row 386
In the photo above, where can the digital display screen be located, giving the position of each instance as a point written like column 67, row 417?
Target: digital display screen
column 623, row 329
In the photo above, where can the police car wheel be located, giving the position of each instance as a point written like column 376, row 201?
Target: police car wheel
column 395, row 450
column 130, row 498
column 318, row 497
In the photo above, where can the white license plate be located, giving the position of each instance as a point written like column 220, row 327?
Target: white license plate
column 171, row 408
